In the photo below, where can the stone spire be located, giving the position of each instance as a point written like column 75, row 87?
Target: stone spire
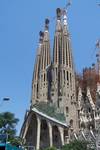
column 63, row 85
column 45, row 54
column 58, row 23
column 45, row 61
column 67, row 59
column 57, row 38
column 35, row 81
column 90, row 98
column 57, row 59
column 37, row 63
column 79, row 98
column 65, row 23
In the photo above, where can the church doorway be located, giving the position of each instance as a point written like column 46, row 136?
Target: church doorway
column 44, row 137
column 56, row 137
column 31, row 136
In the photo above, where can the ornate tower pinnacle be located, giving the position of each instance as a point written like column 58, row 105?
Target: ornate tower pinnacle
column 59, row 13
column 46, row 31
column 65, row 22
column 65, row 18
column 63, row 84
column 40, row 42
column 58, row 23
column 57, row 83
column 35, row 81
column 46, row 24
column 45, row 61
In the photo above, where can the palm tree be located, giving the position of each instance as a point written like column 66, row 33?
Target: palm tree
column 8, row 124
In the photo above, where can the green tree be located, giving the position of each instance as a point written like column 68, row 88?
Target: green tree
column 76, row 145
column 8, row 124
column 17, row 141
column 51, row 148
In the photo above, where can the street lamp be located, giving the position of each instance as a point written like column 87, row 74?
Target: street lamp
column 5, row 99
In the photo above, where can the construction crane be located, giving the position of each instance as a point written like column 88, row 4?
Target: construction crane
column 68, row 4
column 65, row 9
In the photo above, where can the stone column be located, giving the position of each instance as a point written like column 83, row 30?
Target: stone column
column 61, row 130
column 50, row 134
column 38, row 133
column 26, row 126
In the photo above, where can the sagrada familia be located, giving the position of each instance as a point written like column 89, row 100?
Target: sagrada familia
column 61, row 108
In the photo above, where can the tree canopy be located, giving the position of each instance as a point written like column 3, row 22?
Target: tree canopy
column 76, row 145
column 8, row 124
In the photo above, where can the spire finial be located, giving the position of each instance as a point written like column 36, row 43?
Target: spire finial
column 47, row 24
column 41, row 34
column 65, row 11
column 65, row 17
column 59, row 13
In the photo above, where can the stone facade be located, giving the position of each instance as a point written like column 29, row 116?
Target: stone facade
column 59, row 114
column 54, row 81
column 41, row 131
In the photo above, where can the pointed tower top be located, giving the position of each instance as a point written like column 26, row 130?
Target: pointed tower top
column 46, row 33
column 98, row 43
column 41, row 34
column 46, row 24
column 65, row 23
column 65, row 17
column 59, row 13
column 98, row 88
column 59, row 24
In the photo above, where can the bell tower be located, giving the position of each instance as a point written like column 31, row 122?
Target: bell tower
column 44, row 63
column 36, row 73
column 63, row 92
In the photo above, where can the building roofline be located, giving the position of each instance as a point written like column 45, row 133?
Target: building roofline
column 48, row 117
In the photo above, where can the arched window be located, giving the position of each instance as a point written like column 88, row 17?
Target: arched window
column 67, row 110
column 71, row 123
column 44, row 77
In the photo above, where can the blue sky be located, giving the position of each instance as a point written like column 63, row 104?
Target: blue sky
column 20, row 23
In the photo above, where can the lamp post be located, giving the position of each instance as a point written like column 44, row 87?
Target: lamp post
column 5, row 99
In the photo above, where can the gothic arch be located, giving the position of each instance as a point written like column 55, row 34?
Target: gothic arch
column 71, row 123
column 56, row 137
column 32, row 131
column 44, row 136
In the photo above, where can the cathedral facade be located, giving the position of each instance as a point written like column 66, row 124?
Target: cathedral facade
column 59, row 111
